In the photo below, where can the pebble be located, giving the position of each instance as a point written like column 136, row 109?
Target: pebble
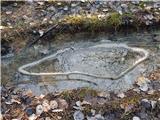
column 99, row 117
column 32, row 117
column 73, row 5
column 51, row 8
column 93, row 112
column 41, row 32
column 146, row 103
column 105, row 10
column 62, row 104
column 47, row 118
column 46, row 105
column 136, row 118
column 144, row 87
column 53, row 104
column 151, row 92
column 65, row 8
column 8, row 12
column 121, row 95
column 104, row 94
column 57, row 110
column 29, row 111
column 78, row 103
column 78, row 115
column 153, row 104
column 39, row 109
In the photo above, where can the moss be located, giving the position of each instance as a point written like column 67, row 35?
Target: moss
column 78, row 94
column 115, row 20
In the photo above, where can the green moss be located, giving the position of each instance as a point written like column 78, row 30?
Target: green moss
column 78, row 94
column 114, row 20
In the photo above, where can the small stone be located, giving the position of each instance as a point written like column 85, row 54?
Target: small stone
column 150, row 17
column 151, row 92
column 83, row 0
column 144, row 87
column 121, row 95
column 136, row 90
column 46, row 105
column 8, row 12
column 40, row 3
column 32, row 117
column 53, row 104
column 59, row 3
column 78, row 115
column 136, row 118
column 142, row 80
column 146, row 104
column 57, row 110
column 78, row 103
column 85, row 103
column 153, row 104
column 51, row 8
column 105, row 10
column 73, row 5
column 93, row 112
column 104, row 94
column 47, row 118
column 41, row 32
column 65, row 8
column 39, row 109
column 62, row 104
column 99, row 117
column 29, row 111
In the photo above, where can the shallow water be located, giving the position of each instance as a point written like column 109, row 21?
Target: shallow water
column 41, row 84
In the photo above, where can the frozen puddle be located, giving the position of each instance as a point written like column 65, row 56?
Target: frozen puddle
column 104, row 66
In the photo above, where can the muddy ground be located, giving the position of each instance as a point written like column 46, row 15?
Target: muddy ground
column 27, row 24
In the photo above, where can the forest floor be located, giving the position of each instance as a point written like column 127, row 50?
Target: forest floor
column 25, row 23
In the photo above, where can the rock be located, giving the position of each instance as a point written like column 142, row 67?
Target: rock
column 146, row 103
column 51, row 8
column 40, row 3
column 144, row 87
column 59, row 3
column 151, row 92
column 105, row 10
column 32, row 117
column 99, row 117
column 153, row 104
column 46, row 105
column 142, row 80
column 53, row 104
column 119, row 10
column 47, row 118
column 78, row 103
column 85, row 103
column 39, row 109
column 29, row 111
column 41, row 32
column 78, row 115
column 57, row 110
column 73, row 5
column 121, row 95
column 8, row 12
column 93, row 112
column 62, row 104
column 104, row 94
column 136, row 118
column 65, row 8
column 150, row 17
